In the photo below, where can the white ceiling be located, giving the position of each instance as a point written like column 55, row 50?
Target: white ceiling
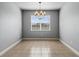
column 44, row 5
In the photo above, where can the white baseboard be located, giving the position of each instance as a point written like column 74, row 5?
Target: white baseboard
column 74, row 50
column 40, row 39
column 11, row 46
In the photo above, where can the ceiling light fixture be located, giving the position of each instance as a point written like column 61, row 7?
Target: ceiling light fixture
column 40, row 12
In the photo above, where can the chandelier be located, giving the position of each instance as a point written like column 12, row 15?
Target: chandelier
column 39, row 12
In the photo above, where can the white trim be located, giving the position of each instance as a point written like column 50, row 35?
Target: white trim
column 8, row 48
column 74, row 50
column 31, row 22
column 40, row 39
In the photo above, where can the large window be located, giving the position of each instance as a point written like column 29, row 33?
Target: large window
column 40, row 23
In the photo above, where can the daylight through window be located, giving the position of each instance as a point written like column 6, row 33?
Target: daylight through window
column 40, row 23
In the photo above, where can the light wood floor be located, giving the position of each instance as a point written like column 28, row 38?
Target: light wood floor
column 40, row 49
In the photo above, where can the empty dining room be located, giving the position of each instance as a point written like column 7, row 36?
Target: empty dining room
column 39, row 29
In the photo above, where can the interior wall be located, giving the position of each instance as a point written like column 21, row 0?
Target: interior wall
column 26, row 25
column 10, row 24
column 69, row 24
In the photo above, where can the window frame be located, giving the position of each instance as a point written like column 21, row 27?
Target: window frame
column 41, row 23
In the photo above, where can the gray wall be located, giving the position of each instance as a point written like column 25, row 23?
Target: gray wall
column 10, row 24
column 26, row 23
column 69, row 24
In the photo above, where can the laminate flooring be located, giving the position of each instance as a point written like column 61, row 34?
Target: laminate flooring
column 39, row 49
